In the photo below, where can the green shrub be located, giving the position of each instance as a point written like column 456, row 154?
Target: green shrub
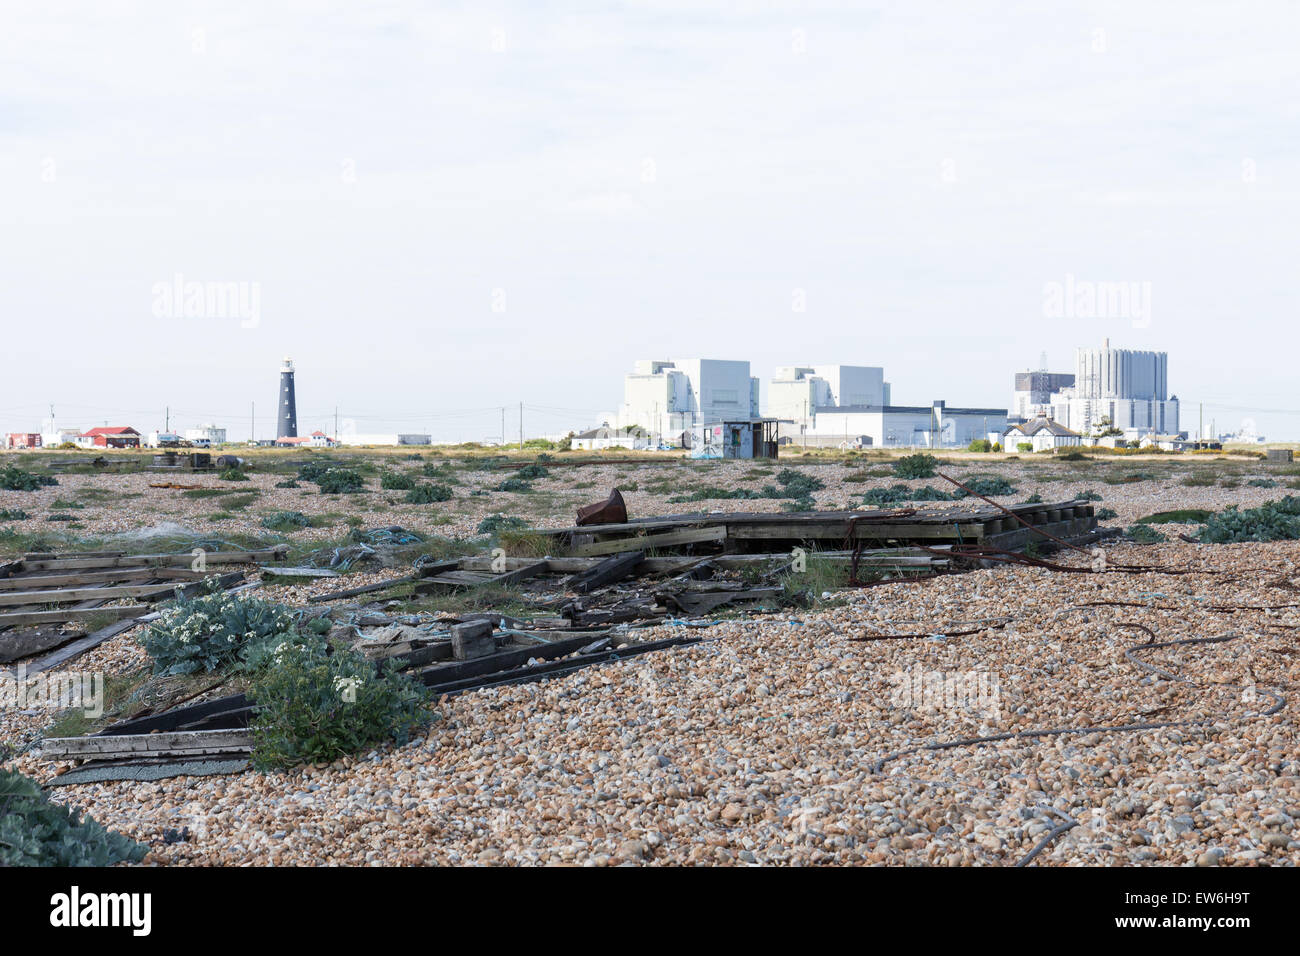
column 313, row 470
column 1023, row 446
column 427, row 493
column 233, row 474
column 531, row 472
column 1034, row 499
column 514, row 484
column 396, row 481
column 1274, row 521
column 314, row 704
column 798, row 484
column 1262, row 483
column 340, row 481
column 1181, row 516
column 919, row 465
column 494, row 524
column 15, row 479
column 1089, row 495
column 286, row 521
column 1067, row 456
column 13, row 514
column 1144, row 534
column 34, row 831
column 288, row 483
column 980, row 445
column 211, row 630
column 1200, row 481
column 901, row 492
column 989, row 486
column 1105, row 514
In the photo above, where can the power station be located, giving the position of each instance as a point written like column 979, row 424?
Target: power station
column 287, row 420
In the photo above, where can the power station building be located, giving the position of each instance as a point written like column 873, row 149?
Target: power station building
column 850, row 406
column 668, row 398
column 1127, row 388
column 798, row 392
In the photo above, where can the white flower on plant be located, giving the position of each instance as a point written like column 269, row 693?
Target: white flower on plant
column 347, row 688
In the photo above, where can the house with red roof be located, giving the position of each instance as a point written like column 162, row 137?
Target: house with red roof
column 117, row 436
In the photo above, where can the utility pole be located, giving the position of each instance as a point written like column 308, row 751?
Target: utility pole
column 521, row 426
column 1200, row 426
column 336, row 423
column 252, row 418
column 503, row 426
column 167, row 418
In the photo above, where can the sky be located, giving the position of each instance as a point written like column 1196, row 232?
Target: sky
column 442, row 210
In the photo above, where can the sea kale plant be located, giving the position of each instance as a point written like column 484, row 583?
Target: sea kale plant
column 1275, row 521
column 212, row 630
column 34, row 831
column 919, row 465
column 315, row 702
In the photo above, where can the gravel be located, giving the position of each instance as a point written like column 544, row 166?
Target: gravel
column 762, row 745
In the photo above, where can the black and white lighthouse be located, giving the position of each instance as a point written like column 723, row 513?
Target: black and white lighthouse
column 286, row 425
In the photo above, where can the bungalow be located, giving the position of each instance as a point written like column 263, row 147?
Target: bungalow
column 119, row 436
column 1043, row 434
column 598, row 439
column 317, row 439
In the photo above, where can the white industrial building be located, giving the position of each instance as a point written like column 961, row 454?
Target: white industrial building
column 403, row 439
column 1033, row 393
column 1128, row 388
column 902, row 426
column 667, row 398
column 798, row 392
column 206, row 434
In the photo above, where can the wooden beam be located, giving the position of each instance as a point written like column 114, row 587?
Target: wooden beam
column 71, row 614
column 26, row 582
column 651, row 541
column 157, row 560
column 185, row 743
column 71, row 595
column 612, row 569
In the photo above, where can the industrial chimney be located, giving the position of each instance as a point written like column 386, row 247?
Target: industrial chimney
column 287, row 420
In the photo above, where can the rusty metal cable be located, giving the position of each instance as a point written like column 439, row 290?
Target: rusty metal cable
column 1118, row 728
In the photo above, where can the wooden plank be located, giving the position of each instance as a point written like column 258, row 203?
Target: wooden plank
column 612, row 569
column 274, row 572
column 363, row 589
column 795, row 531
column 179, row 743
column 69, row 595
column 28, row 582
column 70, row 614
column 521, row 574
column 158, row 560
column 651, row 541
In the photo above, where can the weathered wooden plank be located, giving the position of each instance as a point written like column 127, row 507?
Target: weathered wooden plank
column 520, row 574
column 158, row 560
column 21, row 618
column 605, row 572
column 650, row 541
column 28, row 582
column 180, row 743
column 108, row 592
column 280, row 572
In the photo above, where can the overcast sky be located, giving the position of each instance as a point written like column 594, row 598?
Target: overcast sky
column 443, row 209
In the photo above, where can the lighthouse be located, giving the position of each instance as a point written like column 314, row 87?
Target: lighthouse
column 287, row 420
